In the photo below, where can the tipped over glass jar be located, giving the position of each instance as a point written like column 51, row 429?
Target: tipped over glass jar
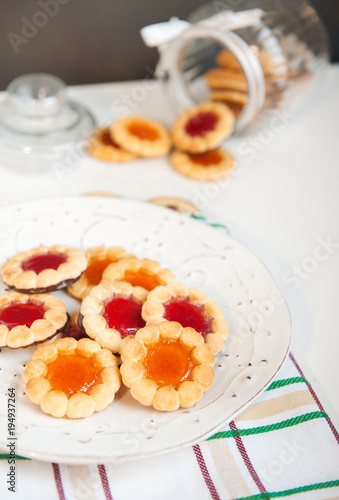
column 253, row 55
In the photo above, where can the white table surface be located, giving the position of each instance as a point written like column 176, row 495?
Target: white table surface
column 282, row 203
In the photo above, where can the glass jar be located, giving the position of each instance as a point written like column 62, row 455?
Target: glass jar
column 40, row 129
column 253, row 55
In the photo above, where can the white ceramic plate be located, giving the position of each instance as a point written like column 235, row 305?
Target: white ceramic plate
column 199, row 256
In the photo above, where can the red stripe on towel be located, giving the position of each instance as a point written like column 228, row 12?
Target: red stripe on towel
column 205, row 473
column 246, row 459
column 58, row 481
column 104, row 482
column 315, row 397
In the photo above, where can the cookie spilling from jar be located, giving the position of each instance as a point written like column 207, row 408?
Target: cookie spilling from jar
column 197, row 135
column 132, row 313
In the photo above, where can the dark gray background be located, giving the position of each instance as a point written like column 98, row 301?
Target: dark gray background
column 90, row 41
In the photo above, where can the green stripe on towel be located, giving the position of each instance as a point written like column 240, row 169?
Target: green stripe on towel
column 292, row 491
column 273, row 427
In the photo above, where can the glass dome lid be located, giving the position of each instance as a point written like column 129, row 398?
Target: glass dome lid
column 39, row 126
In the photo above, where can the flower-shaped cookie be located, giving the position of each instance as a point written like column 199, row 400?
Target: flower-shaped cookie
column 146, row 274
column 203, row 127
column 26, row 319
column 112, row 312
column 44, row 269
column 72, row 329
column 167, row 366
column 102, row 146
column 72, row 379
column 143, row 137
column 191, row 308
column 209, row 166
column 98, row 259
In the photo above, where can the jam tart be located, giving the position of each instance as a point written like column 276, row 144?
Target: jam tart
column 209, row 166
column 26, row 319
column 143, row 137
column 71, row 378
column 203, row 127
column 72, row 329
column 44, row 269
column 167, row 366
column 146, row 274
column 179, row 204
column 191, row 308
column 112, row 312
column 98, row 259
column 102, row 146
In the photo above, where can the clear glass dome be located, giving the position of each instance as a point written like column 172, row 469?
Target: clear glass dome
column 39, row 127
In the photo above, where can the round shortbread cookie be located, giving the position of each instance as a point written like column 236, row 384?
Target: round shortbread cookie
column 209, row 166
column 203, row 127
column 102, row 146
column 143, row 137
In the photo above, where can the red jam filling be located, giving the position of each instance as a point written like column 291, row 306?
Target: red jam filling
column 187, row 314
column 143, row 131
column 169, row 363
column 72, row 373
column 39, row 263
column 201, row 123
column 73, row 330
column 141, row 278
column 21, row 314
column 124, row 315
column 207, row 159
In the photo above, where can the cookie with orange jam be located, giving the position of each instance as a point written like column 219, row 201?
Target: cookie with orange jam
column 112, row 312
column 44, row 269
column 26, row 319
column 167, row 366
column 143, row 137
column 203, row 127
column 102, row 146
column 71, row 378
column 98, row 259
column 191, row 308
column 145, row 274
column 209, row 166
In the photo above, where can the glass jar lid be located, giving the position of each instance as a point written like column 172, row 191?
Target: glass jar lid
column 38, row 124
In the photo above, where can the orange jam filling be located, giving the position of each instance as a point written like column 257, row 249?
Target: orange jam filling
column 143, row 131
column 169, row 363
column 141, row 278
column 72, row 373
column 207, row 159
column 95, row 269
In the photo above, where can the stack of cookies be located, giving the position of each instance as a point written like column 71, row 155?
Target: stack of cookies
column 228, row 83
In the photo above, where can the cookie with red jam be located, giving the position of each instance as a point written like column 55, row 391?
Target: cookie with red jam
column 26, row 319
column 167, row 366
column 203, row 127
column 112, row 312
column 71, row 378
column 44, row 269
column 191, row 308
